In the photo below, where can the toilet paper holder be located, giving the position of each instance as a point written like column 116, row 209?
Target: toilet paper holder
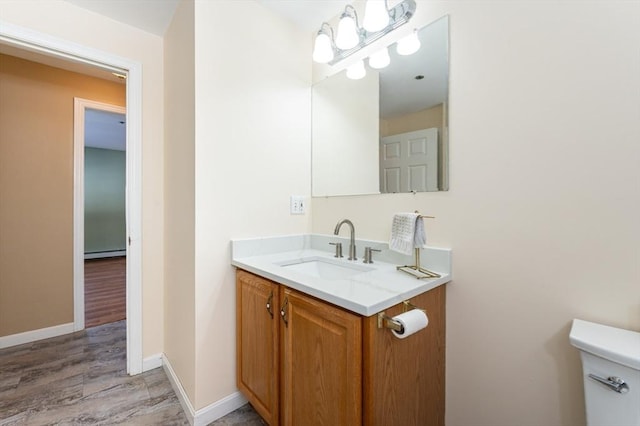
column 386, row 321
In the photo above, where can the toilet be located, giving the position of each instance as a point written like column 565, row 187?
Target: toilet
column 611, row 373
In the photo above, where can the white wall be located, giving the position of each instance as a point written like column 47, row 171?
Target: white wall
column 63, row 20
column 543, row 96
column 179, row 208
column 252, row 152
column 345, row 114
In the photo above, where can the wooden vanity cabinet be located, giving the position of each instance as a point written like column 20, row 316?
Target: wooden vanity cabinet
column 313, row 363
column 404, row 379
column 257, row 344
column 321, row 363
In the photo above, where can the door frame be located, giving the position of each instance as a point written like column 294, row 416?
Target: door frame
column 80, row 106
column 28, row 39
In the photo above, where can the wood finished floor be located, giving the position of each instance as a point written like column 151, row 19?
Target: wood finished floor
column 81, row 379
column 105, row 290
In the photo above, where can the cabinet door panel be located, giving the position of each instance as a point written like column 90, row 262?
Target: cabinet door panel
column 257, row 344
column 322, row 364
column 404, row 382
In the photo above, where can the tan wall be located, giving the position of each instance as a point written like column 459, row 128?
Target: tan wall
column 36, row 190
column 425, row 119
column 542, row 95
column 179, row 322
column 63, row 20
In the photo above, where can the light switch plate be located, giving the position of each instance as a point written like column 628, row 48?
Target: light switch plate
column 297, row 204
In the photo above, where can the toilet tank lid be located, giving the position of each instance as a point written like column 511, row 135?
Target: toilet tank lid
column 615, row 344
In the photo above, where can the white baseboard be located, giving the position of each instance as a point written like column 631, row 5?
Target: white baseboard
column 151, row 362
column 219, row 409
column 205, row 415
column 178, row 389
column 34, row 335
column 104, row 254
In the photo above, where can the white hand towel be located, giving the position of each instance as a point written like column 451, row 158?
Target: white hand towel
column 420, row 235
column 407, row 233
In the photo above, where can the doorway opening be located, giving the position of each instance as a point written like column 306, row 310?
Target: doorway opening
column 63, row 51
column 104, row 179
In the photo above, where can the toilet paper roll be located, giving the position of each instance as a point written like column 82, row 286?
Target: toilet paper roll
column 412, row 321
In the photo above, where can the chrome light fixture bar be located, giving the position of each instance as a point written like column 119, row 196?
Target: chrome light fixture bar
column 326, row 50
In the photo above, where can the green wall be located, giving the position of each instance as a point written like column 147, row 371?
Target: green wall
column 104, row 200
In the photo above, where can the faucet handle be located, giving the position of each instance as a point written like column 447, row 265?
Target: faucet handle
column 368, row 255
column 338, row 249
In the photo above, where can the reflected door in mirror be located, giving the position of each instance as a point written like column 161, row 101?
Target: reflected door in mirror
column 409, row 162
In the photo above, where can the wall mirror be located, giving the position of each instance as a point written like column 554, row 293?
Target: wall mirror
column 387, row 132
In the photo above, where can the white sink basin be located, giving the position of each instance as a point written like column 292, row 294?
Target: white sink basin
column 324, row 268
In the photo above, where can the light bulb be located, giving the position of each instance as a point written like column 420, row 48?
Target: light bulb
column 376, row 15
column 356, row 71
column 322, row 51
column 347, row 37
column 408, row 45
column 380, row 59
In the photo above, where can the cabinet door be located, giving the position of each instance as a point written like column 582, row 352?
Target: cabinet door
column 404, row 381
column 257, row 343
column 321, row 362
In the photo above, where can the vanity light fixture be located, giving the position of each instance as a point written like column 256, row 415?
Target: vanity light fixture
column 376, row 15
column 378, row 21
column 356, row 71
column 380, row 59
column 323, row 47
column 408, row 45
column 348, row 35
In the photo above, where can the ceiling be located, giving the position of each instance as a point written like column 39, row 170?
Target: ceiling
column 418, row 81
column 104, row 129
column 307, row 14
column 152, row 16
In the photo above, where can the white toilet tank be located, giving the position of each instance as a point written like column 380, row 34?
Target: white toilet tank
column 611, row 372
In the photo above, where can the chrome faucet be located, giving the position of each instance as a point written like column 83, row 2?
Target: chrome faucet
column 352, row 241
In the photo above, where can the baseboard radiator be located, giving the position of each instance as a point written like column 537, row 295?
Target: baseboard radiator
column 105, row 254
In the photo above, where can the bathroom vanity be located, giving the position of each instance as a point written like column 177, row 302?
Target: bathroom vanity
column 311, row 348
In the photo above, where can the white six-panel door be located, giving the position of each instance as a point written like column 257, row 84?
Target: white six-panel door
column 409, row 162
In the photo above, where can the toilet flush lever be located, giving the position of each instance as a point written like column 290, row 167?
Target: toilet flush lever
column 613, row 383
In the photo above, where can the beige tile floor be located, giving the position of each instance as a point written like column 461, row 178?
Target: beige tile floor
column 80, row 379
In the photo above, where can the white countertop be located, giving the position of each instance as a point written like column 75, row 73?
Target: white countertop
column 365, row 293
